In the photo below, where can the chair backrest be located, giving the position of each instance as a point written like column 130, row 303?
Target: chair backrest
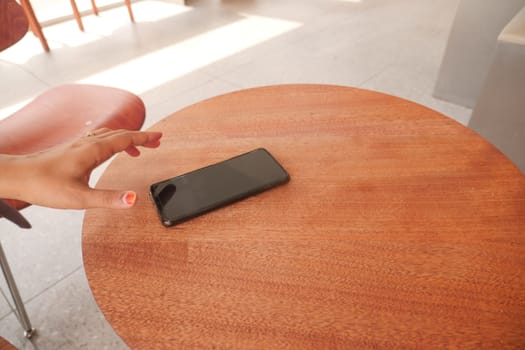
column 13, row 23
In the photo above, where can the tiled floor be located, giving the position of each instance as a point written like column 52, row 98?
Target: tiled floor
column 174, row 56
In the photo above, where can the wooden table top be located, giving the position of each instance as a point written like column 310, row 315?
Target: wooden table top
column 5, row 345
column 400, row 228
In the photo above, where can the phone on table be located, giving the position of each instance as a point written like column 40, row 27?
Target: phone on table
column 200, row 191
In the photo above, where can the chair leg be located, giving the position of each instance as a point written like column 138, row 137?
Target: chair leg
column 77, row 15
column 128, row 5
column 94, row 6
column 29, row 331
column 33, row 23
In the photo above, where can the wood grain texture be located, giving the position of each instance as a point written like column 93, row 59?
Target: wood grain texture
column 13, row 23
column 5, row 345
column 400, row 228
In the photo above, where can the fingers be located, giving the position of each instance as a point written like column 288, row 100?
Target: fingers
column 97, row 132
column 109, row 199
column 101, row 144
column 110, row 142
column 121, row 140
column 139, row 138
column 132, row 151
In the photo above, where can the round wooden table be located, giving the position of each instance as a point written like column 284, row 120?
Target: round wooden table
column 400, row 228
column 5, row 345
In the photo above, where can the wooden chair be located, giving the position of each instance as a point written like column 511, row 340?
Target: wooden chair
column 58, row 115
column 78, row 17
column 8, row 11
column 15, row 22
column 33, row 22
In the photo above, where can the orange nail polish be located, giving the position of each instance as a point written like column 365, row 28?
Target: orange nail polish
column 129, row 198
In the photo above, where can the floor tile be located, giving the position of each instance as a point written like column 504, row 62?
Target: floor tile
column 66, row 317
column 181, row 99
column 45, row 254
column 459, row 113
column 18, row 87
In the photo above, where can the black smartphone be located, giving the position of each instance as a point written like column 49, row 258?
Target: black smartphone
column 200, row 191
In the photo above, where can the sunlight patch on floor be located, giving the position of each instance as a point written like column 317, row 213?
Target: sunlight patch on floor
column 67, row 34
column 154, row 69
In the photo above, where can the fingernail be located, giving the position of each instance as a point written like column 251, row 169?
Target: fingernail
column 129, row 198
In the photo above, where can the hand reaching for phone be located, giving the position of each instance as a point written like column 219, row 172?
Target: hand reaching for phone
column 59, row 176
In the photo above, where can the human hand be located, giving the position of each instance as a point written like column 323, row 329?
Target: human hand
column 59, row 177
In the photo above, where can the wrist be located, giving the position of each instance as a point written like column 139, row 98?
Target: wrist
column 12, row 174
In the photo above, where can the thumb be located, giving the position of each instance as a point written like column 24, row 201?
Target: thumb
column 111, row 199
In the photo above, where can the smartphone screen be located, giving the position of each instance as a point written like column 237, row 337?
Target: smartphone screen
column 200, row 191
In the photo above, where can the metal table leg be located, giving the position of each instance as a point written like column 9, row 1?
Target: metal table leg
column 19, row 305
